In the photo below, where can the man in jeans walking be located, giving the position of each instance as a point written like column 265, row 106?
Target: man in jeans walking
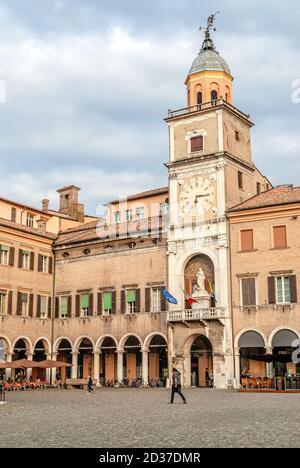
column 176, row 385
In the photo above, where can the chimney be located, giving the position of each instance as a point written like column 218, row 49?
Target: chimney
column 42, row 224
column 45, row 204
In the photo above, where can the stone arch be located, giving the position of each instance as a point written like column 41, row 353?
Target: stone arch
column 7, row 344
column 149, row 338
column 125, row 337
column 29, row 347
column 278, row 329
column 79, row 340
column 46, row 343
column 245, row 330
column 59, row 340
column 102, row 338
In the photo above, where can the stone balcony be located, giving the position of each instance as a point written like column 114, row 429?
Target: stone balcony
column 202, row 315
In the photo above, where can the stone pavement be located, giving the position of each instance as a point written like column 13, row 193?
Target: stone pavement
column 124, row 417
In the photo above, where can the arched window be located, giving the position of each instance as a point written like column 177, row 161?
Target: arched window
column 226, row 97
column 199, row 99
column 214, row 97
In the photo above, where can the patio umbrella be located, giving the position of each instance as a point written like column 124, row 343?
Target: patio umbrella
column 7, row 365
column 49, row 363
column 24, row 364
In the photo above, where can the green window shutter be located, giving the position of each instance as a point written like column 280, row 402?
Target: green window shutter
column 107, row 300
column 25, row 252
column 4, row 248
column 130, row 296
column 64, row 305
column 84, row 301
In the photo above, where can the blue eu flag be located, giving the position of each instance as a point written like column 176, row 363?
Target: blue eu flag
column 168, row 296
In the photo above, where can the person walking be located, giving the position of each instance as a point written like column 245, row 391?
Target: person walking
column 176, row 385
column 90, row 385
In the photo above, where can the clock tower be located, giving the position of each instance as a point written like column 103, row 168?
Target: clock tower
column 210, row 169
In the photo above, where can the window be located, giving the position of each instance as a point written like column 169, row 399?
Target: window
column 248, row 291
column 107, row 303
column 247, row 243
column 237, row 135
column 29, row 220
column 67, row 200
column 117, row 217
column 4, row 254
column 24, row 304
column 140, row 212
column 164, row 209
column 258, row 188
column 240, row 180
column 3, row 302
column 128, row 215
column 156, row 300
column 197, row 143
column 226, row 97
column 267, row 187
column 84, row 305
column 283, row 290
column 43, row 307
column 279, row 237
column 199, row 99
column 25, row 255
column 214, row 97
column 130, row 301
column 13, row 215
column 44, row 264
column 63, row 307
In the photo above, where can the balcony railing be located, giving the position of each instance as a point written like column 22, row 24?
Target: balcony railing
column 204, row 106
column 213, row 313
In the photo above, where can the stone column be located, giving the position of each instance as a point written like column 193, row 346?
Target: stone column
column 120, row 366
column 29, row 371
column 8, row 371
column 269, row 365
column 75, row 365
column 51, row 373
column 237, row 382
column 145, row 366
column 97, row 367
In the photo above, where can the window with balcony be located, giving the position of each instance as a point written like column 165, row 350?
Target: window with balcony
column 164, row 209
column 29, row 220
column 3, row 302
column 4, row 254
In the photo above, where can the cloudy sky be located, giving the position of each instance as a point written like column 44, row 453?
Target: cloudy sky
column 89, row 82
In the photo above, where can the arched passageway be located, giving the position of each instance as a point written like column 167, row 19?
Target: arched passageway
column 201, row 361
column 108, row 362
column 158, row 359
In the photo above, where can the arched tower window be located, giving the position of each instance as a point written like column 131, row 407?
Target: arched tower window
column 214, row 97
column 199, row 99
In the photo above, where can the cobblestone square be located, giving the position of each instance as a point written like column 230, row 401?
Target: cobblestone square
column 143, row 418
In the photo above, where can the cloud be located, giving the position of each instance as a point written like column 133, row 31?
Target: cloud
column 89, row 84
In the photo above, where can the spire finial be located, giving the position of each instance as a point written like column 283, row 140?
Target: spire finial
column 208, row 43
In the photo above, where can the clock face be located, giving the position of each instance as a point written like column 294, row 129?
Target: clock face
column 196, row 196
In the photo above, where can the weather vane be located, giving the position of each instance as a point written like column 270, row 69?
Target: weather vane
column 210, row 23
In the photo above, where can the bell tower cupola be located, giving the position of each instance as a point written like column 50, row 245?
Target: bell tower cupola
column 209, row 78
